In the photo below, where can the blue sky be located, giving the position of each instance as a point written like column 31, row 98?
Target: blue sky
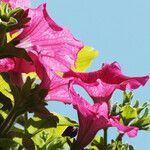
column 120, row 30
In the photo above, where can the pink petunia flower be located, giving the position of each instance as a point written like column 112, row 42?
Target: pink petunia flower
column 111, row 74
column 94, row 117
column 100, row 85
column 55, row 46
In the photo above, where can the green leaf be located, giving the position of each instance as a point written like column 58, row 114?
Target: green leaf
column 45, row 130
column 36, row 124
column 57, row 144
column 7, row 144
column 5, row 88
column 12, row 21
column 20, row 120
column 114, row 109
column 128, row 113
column 11, row 51
column 6, row 102
column 65, row 121
column 3, row 115
column 118, row 145
column 85, row 58
column 127, row 97
column 142, row 122
column 97, row 143
column 1, row 105
column 139, row 109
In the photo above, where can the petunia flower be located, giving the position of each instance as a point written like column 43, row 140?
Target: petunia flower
column 111, row 74
column 100, row 85
column 55, row 46
column 94, row 117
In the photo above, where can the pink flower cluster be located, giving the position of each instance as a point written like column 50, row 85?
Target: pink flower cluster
column 53, row 48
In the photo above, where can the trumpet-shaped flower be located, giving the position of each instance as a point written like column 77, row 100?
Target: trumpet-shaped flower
column 111, row 74
column 52, row 46
column 55, row 46
column 94, row 117
column 100, row 85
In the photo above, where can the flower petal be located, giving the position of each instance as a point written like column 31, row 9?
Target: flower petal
column 130, row 130
column 55, row 46
column 98, row 91
column 6, row 64
column 111, row 74
column 18, row 3
column 58, row 87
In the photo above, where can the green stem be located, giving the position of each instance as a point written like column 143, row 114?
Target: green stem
column 105, row 138
column 8, row 122
column 2, row 37
column 119, row 138
column 25, row 119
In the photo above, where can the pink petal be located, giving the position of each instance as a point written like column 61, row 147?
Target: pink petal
column 111, row 74
column 6, row 64
column 18, row 3
column 91, row 119
column 23, row 66
column 55, row 46
column 130, row 130
column 58, row 87
column 98, row 91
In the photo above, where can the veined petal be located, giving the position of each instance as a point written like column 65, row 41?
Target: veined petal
column 55, row 46
column 99, row 91
column 91, row 119
column 58, row 87
column 111, row 74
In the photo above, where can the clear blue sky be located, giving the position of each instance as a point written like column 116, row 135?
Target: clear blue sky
column 120, row 30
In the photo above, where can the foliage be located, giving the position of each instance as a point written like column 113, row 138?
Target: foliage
column 39, row 59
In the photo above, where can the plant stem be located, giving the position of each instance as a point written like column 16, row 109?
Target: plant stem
column 8, row 122
column 2, row 37
column 105, row 138
column 25, row 119
column 119, row 138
